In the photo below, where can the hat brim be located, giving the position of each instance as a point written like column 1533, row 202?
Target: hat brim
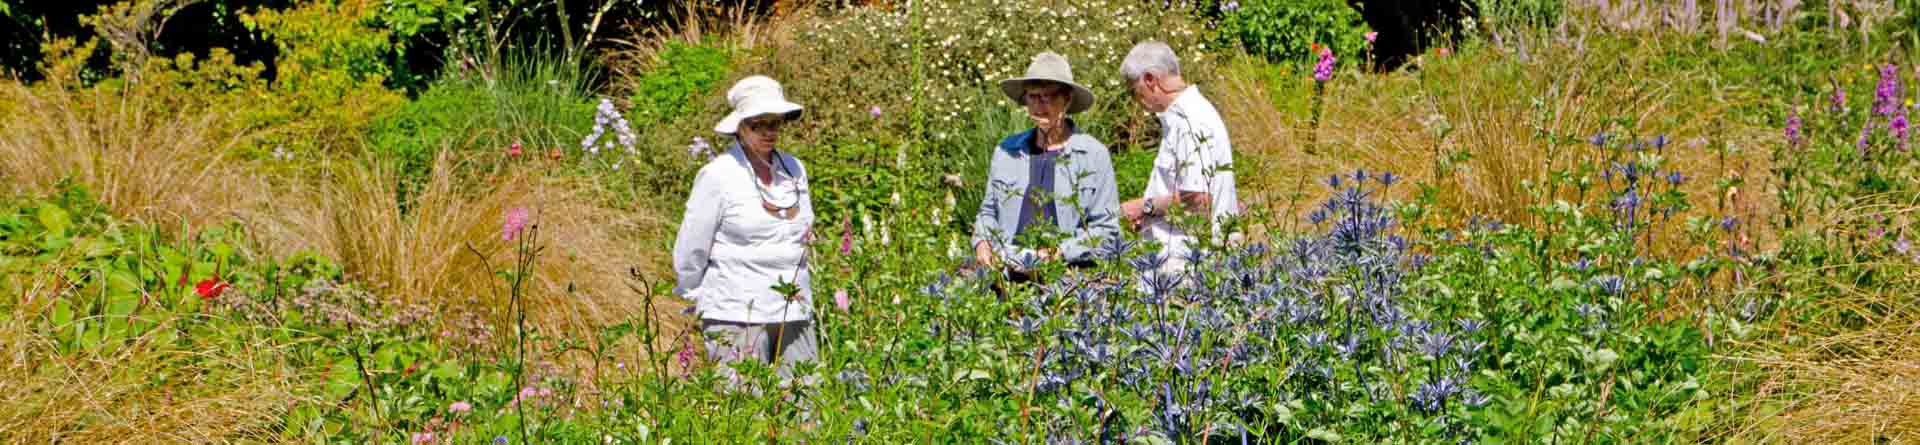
column 731, row 123
column 1016, row 89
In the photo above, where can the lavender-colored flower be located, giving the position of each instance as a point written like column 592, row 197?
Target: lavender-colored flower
column 1837, row 102
column 1659, row 141
column 1598, row 139
column 1230, row 6
column 1675, row 178
column 499, row 440
column 1323, row 70
column 1582, row 265
column 1728, row 223
column 1793, row 128
column 1902, row 246
column 1610, row 284
column 1470, row 325
column 1886, row 96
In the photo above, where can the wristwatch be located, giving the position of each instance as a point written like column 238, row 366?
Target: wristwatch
column 1146, row 206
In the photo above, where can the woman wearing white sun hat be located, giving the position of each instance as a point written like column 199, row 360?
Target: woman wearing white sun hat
column 744, row 233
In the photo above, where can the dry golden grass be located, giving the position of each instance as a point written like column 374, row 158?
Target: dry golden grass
column 426, row 254
column 1845, row 369
column 143, row 158
column 146, row 389
column 1497, row 104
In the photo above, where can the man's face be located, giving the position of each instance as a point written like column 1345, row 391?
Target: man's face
column 1147, row 91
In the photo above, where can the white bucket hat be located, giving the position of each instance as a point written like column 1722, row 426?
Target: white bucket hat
column 755, row 96
column 1048, row 67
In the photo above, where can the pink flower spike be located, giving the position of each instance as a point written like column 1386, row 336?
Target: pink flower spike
column 840, row 300
column 422, row 437
column 516, row 222
column 459, row 407
column 846, row 236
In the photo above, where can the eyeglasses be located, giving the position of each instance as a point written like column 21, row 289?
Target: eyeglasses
column 1046, row 98
column 764, row 124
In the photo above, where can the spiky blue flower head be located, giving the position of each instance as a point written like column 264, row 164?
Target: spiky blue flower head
column 1149, row 262
column 1026, row 325
column 1387, row 179
column 1598, row 139
column 1333, row 181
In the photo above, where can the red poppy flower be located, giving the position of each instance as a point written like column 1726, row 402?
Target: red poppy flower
column 211, row 288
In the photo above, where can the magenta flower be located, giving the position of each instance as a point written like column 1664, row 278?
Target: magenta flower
column 684, row 355
column 516, row 221
column 1886, row 97
column 875, row 111
column 846, row 236
column 1323, row 70
column 422, row 437
column 1899, row 127
column 1370, row 36
column 459, row 407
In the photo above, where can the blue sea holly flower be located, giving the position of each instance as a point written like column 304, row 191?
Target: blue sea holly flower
column 1333, row 181
column 1387, row 179
column 1728, row 223
column 1675, row 178
column 1659, row 141
column 1598, row 139
column 1149, row 262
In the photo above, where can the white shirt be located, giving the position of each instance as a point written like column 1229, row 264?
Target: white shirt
column 1195, row 156
column 731, row 252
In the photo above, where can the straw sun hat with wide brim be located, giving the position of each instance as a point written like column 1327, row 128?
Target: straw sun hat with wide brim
column 752, row 97
column 1051, row 68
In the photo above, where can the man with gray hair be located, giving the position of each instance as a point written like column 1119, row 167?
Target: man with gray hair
column 1193, row 170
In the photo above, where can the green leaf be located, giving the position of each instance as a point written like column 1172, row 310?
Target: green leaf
column 55, row 220
column 1324, row 435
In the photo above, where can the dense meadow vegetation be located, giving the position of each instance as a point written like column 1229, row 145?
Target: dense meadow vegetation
column 407, row 221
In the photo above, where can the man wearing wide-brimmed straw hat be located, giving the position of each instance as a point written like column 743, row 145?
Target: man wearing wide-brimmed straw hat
column 1048, row 183
column 744, row 232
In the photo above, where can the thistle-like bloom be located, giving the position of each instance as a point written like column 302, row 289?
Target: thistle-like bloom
column 1598, row 139
column 1675, row 178
column 1323, row 70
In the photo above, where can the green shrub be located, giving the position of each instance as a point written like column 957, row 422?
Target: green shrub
column 537, row 101
column 684, row 73
column 1286, row 30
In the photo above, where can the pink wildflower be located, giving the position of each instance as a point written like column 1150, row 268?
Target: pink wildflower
column 840, row 300
column 459, row 407
column 516, row 221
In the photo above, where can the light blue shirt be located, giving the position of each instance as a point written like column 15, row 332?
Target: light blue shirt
column 1086, row 200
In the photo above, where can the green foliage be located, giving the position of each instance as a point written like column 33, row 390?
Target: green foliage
column 1282, row 31
column 683, row 74
column 1521, row 14
column 331, row 72
column 537, row 101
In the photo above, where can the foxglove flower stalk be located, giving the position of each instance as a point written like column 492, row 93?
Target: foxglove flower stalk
column 1323, row 70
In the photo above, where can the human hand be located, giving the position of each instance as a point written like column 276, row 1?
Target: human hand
column 983, row 254
column 1135, row 212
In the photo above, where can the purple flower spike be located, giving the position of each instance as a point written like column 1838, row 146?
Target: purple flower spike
column 1323, row 70
column 1886, row 96
column 1898, row 127
column 1837, row 103
column 1793, row 128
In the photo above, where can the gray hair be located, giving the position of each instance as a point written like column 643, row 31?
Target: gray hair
column 1151, row 56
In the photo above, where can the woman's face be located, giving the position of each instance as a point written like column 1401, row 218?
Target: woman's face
column 1047, row 105
column 761, row 133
